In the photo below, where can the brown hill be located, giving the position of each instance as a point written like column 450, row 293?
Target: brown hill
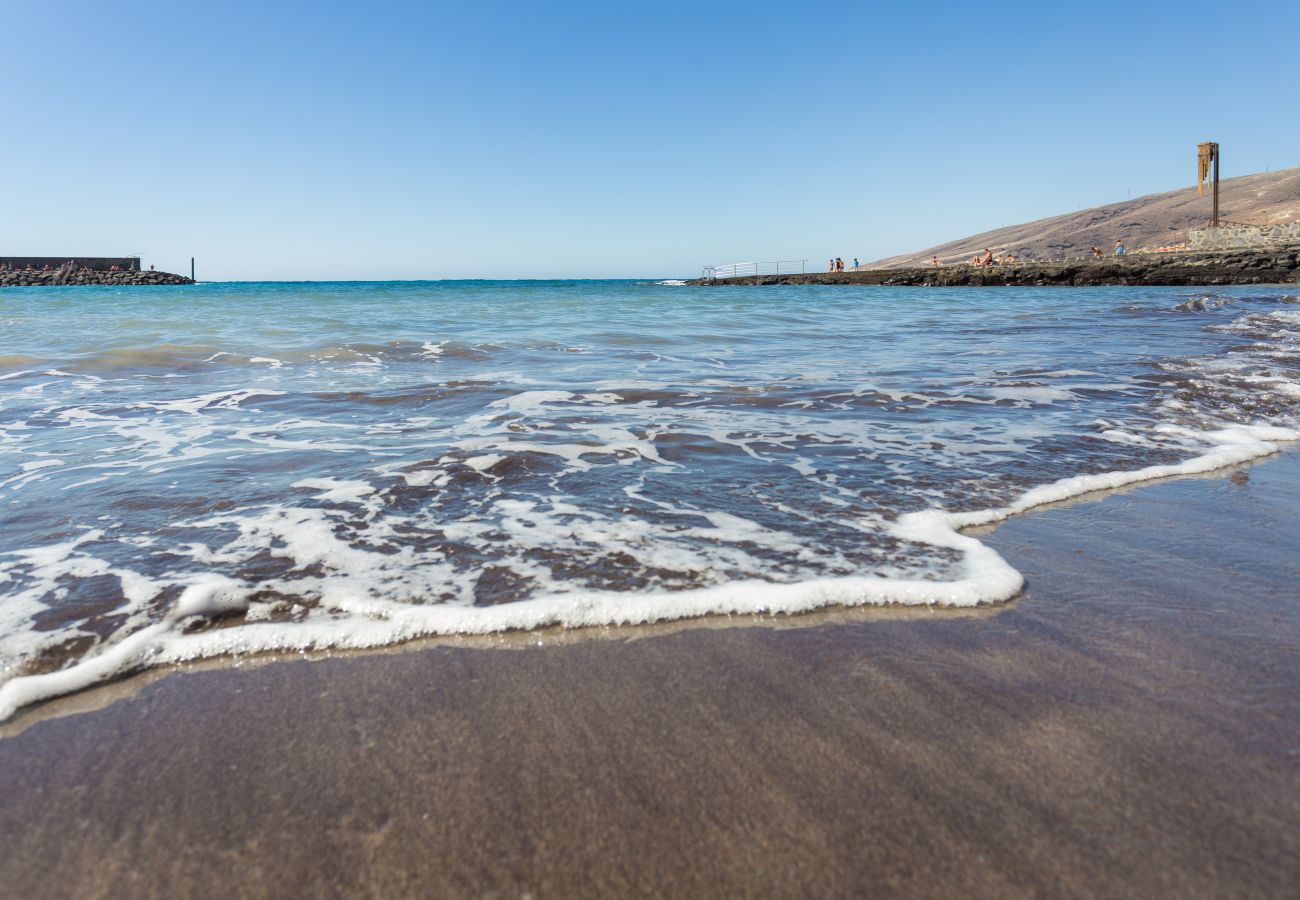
column 1145, row 222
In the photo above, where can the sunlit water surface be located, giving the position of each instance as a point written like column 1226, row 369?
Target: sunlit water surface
column 240, row 466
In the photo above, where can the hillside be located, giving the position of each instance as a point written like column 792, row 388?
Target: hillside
column 1152, row 221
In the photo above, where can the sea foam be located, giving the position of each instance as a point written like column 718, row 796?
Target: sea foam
column 987, row 578
column 193, row 501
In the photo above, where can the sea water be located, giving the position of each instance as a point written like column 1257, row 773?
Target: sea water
column 195, row 471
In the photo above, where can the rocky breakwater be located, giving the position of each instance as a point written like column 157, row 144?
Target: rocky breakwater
column 1279, row 265
column 77, row 275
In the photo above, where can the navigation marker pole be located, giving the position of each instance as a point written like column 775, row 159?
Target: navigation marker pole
column 191, row 268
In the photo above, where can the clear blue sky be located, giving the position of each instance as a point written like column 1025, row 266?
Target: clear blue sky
column 408, row 140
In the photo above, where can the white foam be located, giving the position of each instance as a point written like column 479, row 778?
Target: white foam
column 1033, row 394
column 217, row 400
column 485, row 462
column 337, row 491
column 210, row 595
column 307, row 538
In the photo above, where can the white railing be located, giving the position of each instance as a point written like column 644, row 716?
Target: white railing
column 749, row 269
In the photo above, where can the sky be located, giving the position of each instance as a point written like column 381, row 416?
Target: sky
column 331, row 140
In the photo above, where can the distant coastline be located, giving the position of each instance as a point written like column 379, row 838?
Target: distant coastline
column 1263, row 266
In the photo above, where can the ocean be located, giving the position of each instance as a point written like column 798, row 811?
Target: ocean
column 220, row 469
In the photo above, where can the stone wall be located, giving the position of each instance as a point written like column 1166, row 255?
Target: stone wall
column 1279, row 265
column 97, row 263
column 1239, row 237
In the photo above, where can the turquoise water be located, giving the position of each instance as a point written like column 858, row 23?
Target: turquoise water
column 218, row 468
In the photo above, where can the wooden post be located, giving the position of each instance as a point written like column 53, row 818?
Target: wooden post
column 192, row 258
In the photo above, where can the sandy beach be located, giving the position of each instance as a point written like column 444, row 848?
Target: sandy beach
column 1130, row 726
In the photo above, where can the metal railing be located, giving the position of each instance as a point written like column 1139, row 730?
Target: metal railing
column 749, row 269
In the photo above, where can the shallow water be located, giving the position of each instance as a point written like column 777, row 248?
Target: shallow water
column 219, row 468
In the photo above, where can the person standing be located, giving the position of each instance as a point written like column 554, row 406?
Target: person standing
column 1119, row 249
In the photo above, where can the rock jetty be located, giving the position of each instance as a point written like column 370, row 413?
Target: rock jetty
column 74, row 275
column 1280, row 265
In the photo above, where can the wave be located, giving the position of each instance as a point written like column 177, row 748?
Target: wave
column 370, row 623
column 189, row 359
column 448, row 520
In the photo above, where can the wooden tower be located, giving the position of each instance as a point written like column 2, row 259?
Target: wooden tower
column 1207, row 166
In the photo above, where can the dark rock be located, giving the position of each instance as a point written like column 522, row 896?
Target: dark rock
column 1273, row 266
column 68, row 275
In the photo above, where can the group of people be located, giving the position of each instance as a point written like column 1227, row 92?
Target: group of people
column 986, row 259
column 1120, row 250
column 837, row 265
column 4, row 267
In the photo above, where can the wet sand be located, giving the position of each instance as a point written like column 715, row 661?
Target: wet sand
column 1129, row 727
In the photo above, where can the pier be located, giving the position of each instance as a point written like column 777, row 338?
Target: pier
column 1274, row 265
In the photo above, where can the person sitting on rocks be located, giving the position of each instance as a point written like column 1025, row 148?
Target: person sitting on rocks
column 1119, row 249
column 988, row 257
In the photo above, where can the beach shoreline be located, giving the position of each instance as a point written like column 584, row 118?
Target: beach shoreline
column 1127, row 726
